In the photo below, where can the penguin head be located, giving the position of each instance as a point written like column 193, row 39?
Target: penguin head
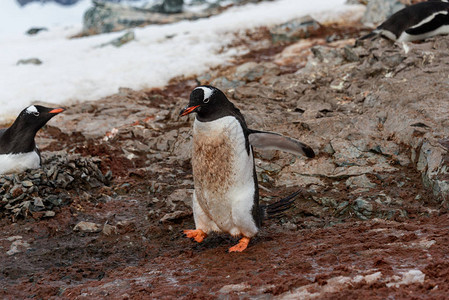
column 207, row 101
column 35, row 117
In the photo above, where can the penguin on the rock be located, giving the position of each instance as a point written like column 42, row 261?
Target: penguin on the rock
column 226, row 194
column 415, row 22
column 18, row 150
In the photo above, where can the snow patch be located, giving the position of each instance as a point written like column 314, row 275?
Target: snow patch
column 333, row 285
column 339, row 283
column 16, row 20
column 76, row 70
column 409, row 277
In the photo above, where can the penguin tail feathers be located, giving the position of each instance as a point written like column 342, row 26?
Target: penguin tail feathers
column 372, row 34
column 276, row 209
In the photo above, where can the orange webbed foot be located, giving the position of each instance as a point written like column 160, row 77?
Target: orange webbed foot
column 197, row 234
column 242, row 245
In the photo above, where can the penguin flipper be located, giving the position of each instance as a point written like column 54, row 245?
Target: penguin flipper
column 275, row 141
column 439, row 19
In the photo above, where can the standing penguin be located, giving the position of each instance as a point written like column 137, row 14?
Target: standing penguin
column 415, row 22
column 226, row 196
column 18, row 150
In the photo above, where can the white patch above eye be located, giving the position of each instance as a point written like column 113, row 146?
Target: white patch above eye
column 31, row 109
column 207, row 92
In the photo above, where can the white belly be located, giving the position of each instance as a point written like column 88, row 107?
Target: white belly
column 223, row 174
column 405, row 37
column 16, row 163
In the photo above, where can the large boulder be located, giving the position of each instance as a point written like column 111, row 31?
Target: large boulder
column 108, row 17
column 378, row 11
column 63, row 2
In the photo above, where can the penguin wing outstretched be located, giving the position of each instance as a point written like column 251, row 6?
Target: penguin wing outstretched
column 276, row 141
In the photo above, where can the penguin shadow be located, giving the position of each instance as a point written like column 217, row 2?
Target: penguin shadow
column 218, row 241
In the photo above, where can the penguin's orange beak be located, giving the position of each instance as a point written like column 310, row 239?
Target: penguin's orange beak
column 56, row 110
column 188, row 110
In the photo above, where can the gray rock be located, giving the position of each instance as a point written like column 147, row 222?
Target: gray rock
column 180, row 195
column 18, row 246
column 327, row 201
column 361, row 181
column 378, row 11
column 224, row 83
column 49, row 214
column 38, row 202
column 120, row 41
column 363, row 206
column 168, row 7
column 84, row 226
column 109, row 229
column 328, row 55
column 294, row 30
column 356, row 1
column 29, row 61
column 176, row 215
column 433, row 162
column 108, row 17
column 51, row 186
column 35, row 30
column 27, row 183
column 350, row 54
column 249, row 71
column 345, row 152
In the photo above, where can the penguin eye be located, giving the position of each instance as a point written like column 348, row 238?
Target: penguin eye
column 36, row 113
column 206, row 100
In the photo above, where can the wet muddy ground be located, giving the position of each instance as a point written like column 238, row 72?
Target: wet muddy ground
column 395, row 249
column 149, row 259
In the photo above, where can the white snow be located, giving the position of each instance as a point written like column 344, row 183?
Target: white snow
column 80, row 70
column 341, row 283
column 408, row 277
column 16, row 20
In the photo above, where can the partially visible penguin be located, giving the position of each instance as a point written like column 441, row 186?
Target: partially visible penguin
column 415, row 22
column 18, row 150
column 226, row 195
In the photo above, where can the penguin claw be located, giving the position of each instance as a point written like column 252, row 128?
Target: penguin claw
column 197, row 234
column 242, row 245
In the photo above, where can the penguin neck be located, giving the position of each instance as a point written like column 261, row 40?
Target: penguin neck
column 18, row 139
column 207, row 115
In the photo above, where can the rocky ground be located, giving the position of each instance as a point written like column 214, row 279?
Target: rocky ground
column 104, row 217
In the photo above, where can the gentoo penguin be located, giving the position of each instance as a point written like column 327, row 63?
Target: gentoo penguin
column 226, row 195
column 18, row 151
column 415, row 22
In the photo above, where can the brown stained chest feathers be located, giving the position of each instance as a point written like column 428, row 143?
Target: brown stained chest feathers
column 213, row 162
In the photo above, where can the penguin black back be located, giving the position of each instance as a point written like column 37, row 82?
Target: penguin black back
column 415, row 22
column 413, row 15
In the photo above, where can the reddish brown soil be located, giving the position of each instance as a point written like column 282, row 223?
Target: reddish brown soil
column 148, row 259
